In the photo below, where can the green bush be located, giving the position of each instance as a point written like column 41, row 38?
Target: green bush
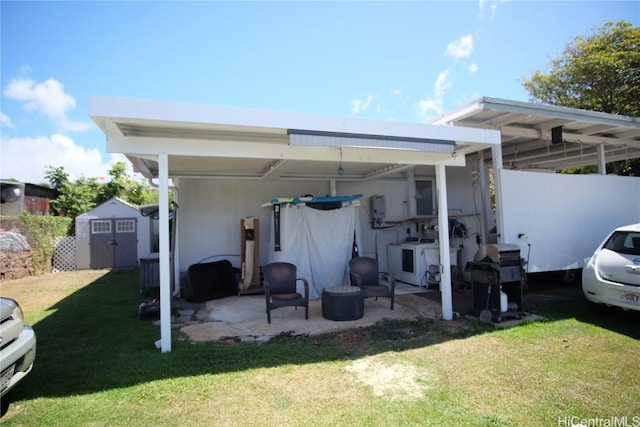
column 41, row 232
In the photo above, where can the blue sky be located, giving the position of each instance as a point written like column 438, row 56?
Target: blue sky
column 404, row 61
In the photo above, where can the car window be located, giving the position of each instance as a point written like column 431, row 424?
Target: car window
column 624, row 242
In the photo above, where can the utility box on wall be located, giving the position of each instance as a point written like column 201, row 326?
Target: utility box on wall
column 377, row 209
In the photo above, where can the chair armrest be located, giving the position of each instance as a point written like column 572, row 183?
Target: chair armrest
column 306, row 286
column 389, row 276
column 267, row 288
column 358, row 279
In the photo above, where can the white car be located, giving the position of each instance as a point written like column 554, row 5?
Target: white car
column 612, row 274
column 17, row 348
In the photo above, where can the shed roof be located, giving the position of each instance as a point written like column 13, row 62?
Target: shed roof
column 119, row 204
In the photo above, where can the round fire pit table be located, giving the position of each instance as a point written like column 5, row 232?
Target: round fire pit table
column 342, row 303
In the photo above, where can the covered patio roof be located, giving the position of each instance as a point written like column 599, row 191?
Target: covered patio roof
column 207, row 141
column 582, row 137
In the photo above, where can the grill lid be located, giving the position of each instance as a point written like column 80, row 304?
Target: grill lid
column 498, row 252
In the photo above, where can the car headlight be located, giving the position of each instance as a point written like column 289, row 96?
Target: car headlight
column 17, row 310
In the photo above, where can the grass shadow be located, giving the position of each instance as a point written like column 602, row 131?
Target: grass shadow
column 94, row 341
column 554, row 299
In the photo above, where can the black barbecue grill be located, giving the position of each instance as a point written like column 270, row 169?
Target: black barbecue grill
column 498, row 267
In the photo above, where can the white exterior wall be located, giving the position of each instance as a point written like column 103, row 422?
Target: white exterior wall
column 565, row 216
column 110, row 209
column 398, row 207
column 211, row 210
column 210, row 213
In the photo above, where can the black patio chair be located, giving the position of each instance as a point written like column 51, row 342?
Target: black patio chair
column 280, row 288
column 364, row 274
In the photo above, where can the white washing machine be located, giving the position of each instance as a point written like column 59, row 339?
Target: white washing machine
column 410, row 260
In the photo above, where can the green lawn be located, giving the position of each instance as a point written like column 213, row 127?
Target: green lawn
column 97, row 366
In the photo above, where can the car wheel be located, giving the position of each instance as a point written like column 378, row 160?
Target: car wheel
column 4, row 406
column 572, row 277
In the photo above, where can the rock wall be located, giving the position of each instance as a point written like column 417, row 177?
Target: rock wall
column 16, row 265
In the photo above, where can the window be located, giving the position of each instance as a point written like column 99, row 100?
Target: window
column 125, row 226
column 101, row 226
column 425, row 198
column 624, row 242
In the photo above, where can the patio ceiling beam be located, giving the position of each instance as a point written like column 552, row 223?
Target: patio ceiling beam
column 558, row 150
column 387, row 171
column 559, row 161
column 275, row 167
column 139, row 165
column 255, row 150
column 535, row 134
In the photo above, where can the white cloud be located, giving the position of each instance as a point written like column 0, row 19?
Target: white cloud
column 6, row 121
column 473, row 68
column 48, row 98
column 26, row 159
column 460, row 48
column 397, row 92
column 488, row 7
column 432, row 106
column 359, row 105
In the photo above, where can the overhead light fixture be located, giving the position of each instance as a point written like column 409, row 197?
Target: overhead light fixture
column 340, row 168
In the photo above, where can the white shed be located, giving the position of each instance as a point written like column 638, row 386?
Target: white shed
column 112, row 235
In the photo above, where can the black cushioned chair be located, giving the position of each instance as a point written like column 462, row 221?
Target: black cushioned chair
column 364, row 274
column 280, row 288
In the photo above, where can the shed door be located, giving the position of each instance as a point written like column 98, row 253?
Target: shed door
column 114, row 243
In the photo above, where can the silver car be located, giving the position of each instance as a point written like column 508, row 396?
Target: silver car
column 612, row 274
column 18, row 347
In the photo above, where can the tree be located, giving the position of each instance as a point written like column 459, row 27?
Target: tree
column 57, row 177
column 600, row 72
column 117, row 186
column 85, row 193
column 76, row 197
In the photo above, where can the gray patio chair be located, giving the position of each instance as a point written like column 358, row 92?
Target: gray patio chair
column 280, row 288
column 364, row 274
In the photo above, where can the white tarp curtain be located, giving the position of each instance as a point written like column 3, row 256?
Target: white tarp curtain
column 318, row 243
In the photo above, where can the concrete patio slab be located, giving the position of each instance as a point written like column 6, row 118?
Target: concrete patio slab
column 244, row 318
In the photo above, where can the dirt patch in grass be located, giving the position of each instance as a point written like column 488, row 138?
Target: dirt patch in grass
column 393, row 380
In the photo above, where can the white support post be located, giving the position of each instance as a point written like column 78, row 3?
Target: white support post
column 443, row 242
column 485, row 202
column 411, row 208
column 176, row 238
column 165, row 258
column 496, row 154
column 332, row 188
column 602, row 164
